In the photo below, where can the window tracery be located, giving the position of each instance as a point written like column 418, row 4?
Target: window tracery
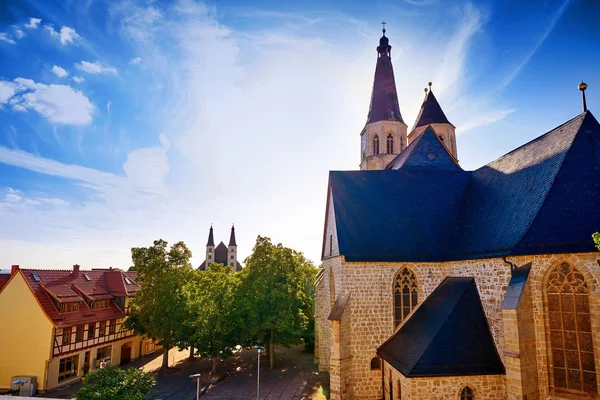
column 376, row 145
column 390, row 144
column 467, row 394
column 571, row 340
column 405, row 295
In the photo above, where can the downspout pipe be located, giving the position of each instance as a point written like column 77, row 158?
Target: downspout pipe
column 512, row 266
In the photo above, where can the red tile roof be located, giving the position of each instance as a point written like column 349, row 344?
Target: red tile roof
column 69, row 286
column 3, row 279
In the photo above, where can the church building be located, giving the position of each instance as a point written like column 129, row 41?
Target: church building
column 226, row 255
column 442, row 283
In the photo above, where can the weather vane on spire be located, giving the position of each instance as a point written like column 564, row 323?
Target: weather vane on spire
column 383, row 30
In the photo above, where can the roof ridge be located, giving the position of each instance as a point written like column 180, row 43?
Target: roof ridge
column 582, row 116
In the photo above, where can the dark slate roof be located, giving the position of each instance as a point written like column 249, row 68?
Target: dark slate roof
column 211, row 240
column 540, row 198
column 447, row 335
column 232, row 237
column 425, row 152
column 221, row 254
column 515, row 288
column 384, row 99
column 431, row 112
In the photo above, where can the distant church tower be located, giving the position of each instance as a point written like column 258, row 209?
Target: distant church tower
column 226, row 255
column 431, row 114
column 384, row 135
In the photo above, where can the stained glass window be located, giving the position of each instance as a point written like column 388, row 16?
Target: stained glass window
column 405, row 295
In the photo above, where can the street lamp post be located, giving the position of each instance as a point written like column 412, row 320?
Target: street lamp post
column 260, row 349
column 197, row 377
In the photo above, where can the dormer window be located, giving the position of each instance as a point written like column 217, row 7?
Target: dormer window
column 68, row 307
column 36, row 277
column 100, row 304
column 376, row 145
column 87, row 277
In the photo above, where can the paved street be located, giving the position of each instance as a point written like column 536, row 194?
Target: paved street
column 295, row 377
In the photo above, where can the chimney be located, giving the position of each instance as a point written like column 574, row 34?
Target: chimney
column 13, row 269
column 75, row 269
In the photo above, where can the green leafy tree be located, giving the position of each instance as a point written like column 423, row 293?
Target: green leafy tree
column 160, row 308
column 275, row 296
column 596, row 237
column 114, row 383
column 216, row 329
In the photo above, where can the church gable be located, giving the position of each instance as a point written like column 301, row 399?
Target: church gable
column 448, row 335
column 570, row 212
column 330, row 237
column 425, row 152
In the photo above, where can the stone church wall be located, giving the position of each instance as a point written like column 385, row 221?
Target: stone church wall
column 370, row 313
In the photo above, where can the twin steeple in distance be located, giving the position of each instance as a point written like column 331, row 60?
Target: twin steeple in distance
column 385, row 133
column 226, row 255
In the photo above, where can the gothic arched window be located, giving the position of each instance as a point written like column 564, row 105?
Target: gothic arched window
column 331, row 289
column 405, row 295
column 375, row 363
column 376, row 145
column 390, row 144
column 467, row 394
column 572, row 350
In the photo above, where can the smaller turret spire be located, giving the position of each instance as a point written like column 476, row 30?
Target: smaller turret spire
column 384, row 48
column 232, row 236
column 211, row 240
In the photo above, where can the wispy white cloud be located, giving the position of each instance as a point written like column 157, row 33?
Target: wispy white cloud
column 95, row 68
column 60, row 72
column 4, row 37
column 59, row 104
column 33, row 23
column 19, row 33
column 421, row 2
column 66, row 35
column 549, row 28
column 483, row 118
column 78, row 79
column 135, row 60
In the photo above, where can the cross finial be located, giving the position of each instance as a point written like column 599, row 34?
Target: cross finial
column 383, row 23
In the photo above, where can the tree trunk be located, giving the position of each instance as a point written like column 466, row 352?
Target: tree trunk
column 191, row 357
column 165, row 361
column 214, row 365
column 271, row 351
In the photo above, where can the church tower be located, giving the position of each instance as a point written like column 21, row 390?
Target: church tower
column 384, row 135
column 232, row 249
column 431, row 114
column 210, row 247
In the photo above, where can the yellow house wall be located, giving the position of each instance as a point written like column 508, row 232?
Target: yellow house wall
column 25, row 335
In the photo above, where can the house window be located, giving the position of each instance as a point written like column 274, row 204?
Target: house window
column 102, row 328
column 399, row 389
column 68, row 307
column 376, row 145
column 111, row 326
column 467, row 394
column 67, row 367
column 231, row 257
column 66, row 337
column 405, row 295
column 79, row 333
column 102, row 354
column 390, row 144
column 375, row 363
column 571, row 339
column 100, row 304
column 91, row 330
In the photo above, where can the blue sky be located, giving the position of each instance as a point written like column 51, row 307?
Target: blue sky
column 126, row 121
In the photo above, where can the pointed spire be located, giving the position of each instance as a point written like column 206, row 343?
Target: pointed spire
column 232, row 236
column 211, row 240
column 384, row 99
column 431, row 112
